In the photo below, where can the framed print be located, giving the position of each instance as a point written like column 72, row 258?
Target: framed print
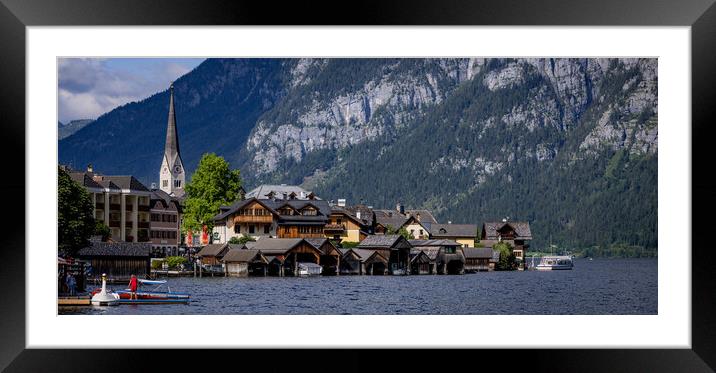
column 455, row 175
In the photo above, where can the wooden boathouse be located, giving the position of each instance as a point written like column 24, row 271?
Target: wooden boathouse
column 449, row 258
column 213, row 253
column 393, row 248
column 119, row 260
column 420, row 263
column 245, row 262
column 477, row 259
column 285, row 254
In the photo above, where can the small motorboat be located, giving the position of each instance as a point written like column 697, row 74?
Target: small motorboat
column 104, row 297
column 155, row 295
column 309, row 269
column 552, row 263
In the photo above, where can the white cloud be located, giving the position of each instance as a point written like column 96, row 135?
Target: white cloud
column 90, row 87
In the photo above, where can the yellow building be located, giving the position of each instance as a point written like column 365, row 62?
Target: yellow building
column 349, row 223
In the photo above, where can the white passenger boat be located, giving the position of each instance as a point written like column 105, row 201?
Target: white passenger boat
column 551, row 263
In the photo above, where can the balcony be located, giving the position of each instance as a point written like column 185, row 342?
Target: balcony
column 253, row 219
column 115, row 206
column 334, row 228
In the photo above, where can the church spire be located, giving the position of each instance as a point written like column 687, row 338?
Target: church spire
column 171, row 147
column 171, row 173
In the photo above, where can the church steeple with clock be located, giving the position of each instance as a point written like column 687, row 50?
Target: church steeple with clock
column 171, row 174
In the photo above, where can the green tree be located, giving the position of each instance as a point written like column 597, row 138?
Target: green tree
column 389, row 229
column 213, row 184
column 75, row 215
column 477, row 238
column 175, row 261
column 507, row 258
column 101, row 229
column 241, row 240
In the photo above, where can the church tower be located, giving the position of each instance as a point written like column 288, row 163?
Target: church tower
column 171, row 174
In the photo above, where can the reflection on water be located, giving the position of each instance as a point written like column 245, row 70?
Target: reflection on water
column 601, row 286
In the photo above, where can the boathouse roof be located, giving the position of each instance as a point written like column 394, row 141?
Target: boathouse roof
column 441, row 242
column 135, row 249
column 274, row 246
column 382, row 241
column 477, row 252
column 243, row 255
column 214, row 249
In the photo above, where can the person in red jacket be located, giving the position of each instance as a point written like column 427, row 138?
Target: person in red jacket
column 133, row 287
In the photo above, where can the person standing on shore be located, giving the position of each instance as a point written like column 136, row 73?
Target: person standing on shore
column 71, row 283
column 133, row 287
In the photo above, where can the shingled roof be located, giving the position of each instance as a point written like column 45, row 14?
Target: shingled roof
column 85, row 180
column 126, row 182
column 477, row 252
column 390, row 218
column 274, row 246
column 125, row 249
column 213, row 249
column 442, row 242
column 380, row 241
column 366, row 214
column 264, row 191
column 453, row 230
column 243, row 255
column 324, row 210
column 522, row 229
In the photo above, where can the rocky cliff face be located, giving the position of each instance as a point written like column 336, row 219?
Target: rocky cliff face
column 397, row 92
column 387, row 100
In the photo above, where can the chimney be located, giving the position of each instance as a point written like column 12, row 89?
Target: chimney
column 400, row 208
column 449, row 222
column 417, row 216
column 89, row 168
column 154, row 186
column 358, row 214
column 341, row 202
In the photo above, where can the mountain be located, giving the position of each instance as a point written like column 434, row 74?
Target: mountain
column 567, row 144
column 65, row 130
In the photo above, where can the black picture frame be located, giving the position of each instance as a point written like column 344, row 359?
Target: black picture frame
column 16, row 15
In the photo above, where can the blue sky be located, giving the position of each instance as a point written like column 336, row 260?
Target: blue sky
column 90, row 87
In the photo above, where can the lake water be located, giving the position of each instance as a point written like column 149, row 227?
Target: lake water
column 601, row 286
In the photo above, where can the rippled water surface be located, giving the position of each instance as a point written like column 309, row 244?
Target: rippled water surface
column 601, row 286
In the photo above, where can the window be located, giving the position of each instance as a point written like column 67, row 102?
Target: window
column 252, row 229
column 165, row 183
column 267, row 229
column 177, row 183
column 237, row 228
column 421, row 232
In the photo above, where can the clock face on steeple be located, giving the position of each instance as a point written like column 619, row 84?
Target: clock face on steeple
column 177, row 168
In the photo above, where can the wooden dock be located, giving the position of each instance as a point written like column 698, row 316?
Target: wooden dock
column 80, row 300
